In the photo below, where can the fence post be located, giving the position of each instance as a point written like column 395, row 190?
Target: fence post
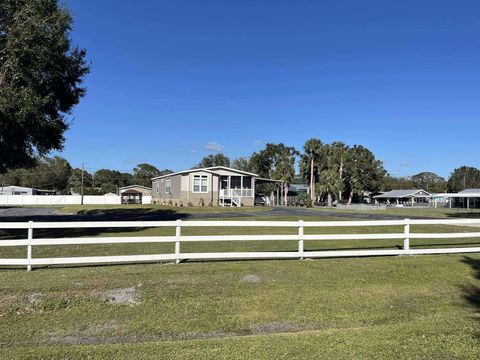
column 178, row 233
column 29, row 246
column 406, row 231
column 300, row 240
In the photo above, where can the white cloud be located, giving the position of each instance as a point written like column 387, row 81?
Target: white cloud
column 212, row 145
column 404, row 163
column 193, row 151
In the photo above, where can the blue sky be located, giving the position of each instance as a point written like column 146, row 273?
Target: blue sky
column 173, row 81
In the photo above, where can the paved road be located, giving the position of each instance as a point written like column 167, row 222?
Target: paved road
column 51, row 214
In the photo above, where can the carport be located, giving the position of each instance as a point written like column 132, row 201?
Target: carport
column 411, row 197
column 278, row 191
column 131, row 196
column 468, row 198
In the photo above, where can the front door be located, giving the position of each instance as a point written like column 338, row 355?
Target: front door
column 224, row 182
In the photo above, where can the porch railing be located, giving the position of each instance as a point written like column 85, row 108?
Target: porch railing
column 229, row 193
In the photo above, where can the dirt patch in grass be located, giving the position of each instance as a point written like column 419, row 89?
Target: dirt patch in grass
column 8, row 299
column 95, row 329
column 127, row 296
column 96, row 334
column 95, row 340
column 35, row 298
column 251, row 278
column 274, row 328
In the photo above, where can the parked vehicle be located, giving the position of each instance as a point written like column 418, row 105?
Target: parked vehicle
column 260, row 199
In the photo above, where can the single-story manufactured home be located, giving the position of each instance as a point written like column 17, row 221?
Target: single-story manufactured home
column 468, row 198
column 407, row 197
column 21, row 190
column 215, row 186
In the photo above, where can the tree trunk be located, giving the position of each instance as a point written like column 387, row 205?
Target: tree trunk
column 329, row 199
column 350, row 197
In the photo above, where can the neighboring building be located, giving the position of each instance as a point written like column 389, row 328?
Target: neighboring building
column 297, row 189
column 133, row 194
column 409, row 197
column 215, row 186
column 468, row 198
column 20, row 190
column 146, row 191
column 296, row 192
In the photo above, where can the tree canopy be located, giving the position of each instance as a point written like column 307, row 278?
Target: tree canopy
column 143, row 174
column 214, row 160
column 41, row 74
column 276, row 161
column 463, row 178
column 48, row 173
column 242, row 163
column 341, row 171
column 429, row 181
column 110, row 180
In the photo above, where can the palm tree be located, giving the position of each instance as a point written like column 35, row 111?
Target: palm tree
column 330, row 183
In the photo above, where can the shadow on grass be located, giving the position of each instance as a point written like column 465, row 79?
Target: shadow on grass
column 465, row 215
column 131, row 214
column 89, row 215
column 471, row 293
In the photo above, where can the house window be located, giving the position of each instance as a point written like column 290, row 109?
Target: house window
column 236, row 182
column 168, row 185
column 200, row 183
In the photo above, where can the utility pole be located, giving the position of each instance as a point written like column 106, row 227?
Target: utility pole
column 81, row 186
column 312, row 184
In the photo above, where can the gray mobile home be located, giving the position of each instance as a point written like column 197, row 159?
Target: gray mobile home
column 215, row 186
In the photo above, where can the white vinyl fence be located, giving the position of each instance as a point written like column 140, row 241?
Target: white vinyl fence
column 19, row 200
column 406, row 235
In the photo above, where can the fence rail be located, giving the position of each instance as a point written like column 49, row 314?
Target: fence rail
column 406, row 235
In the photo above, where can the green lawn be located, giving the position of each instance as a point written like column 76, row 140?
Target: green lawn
column 384, row 307
column 160, row 209
column 412, row 212
column 398, row 307
column 99, row 209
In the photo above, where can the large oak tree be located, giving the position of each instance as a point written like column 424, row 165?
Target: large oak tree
column 463, row 178
column 41, row 73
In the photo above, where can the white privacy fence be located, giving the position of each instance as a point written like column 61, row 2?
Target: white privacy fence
column 19, row 200
column 177, row 255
